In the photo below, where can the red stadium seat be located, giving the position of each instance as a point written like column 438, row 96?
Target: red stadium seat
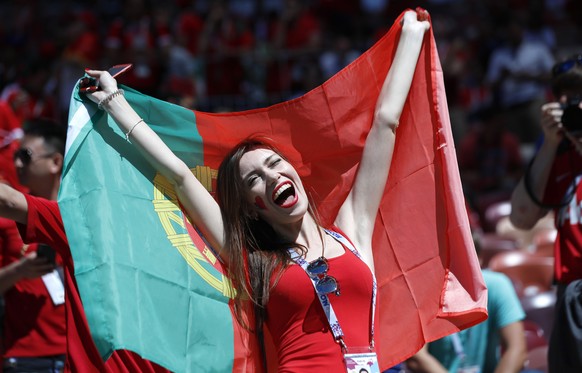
column 538, row 359
column 530, row 274
column 492, row 244
column 495, row 212
column 534, row 335
column 543, row 242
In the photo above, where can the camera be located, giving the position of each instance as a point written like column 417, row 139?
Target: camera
column 572, row 116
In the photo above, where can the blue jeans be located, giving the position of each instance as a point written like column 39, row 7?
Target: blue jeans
column 395, row 369
column 45, row 364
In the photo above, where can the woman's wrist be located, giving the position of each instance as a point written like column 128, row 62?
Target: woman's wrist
column 107, row 99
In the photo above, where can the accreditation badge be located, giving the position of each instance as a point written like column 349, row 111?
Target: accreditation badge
column 365, row 362
column 55, row 287
column 469, row 369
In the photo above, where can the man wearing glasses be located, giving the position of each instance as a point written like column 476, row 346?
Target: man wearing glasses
column 34, row 327
column 552, row 181
column 39, row 164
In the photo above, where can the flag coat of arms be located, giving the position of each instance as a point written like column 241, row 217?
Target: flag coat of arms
column 150, row 284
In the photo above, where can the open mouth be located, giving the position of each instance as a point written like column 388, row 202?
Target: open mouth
column 284, row 195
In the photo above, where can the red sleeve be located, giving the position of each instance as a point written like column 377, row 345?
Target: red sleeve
column 44, row 225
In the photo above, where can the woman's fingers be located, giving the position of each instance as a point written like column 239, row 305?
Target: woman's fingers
column 107, row 84
column 416, row 18
column 422, row 14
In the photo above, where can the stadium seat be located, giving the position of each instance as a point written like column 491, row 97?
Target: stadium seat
column 495, row 212
column 538, row 359
column 539, row 308
column 543, row 242
column 534, row 335
column 529, row 273
column 492, row 244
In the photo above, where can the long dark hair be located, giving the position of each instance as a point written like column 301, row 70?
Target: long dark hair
column 256, row 253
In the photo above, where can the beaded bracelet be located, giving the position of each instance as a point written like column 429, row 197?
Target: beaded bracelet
column 131, row 129
column 109, row 97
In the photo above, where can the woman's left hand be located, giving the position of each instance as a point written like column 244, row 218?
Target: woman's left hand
column 415, row 20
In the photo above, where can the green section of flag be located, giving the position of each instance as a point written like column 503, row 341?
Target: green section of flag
column 138, row 291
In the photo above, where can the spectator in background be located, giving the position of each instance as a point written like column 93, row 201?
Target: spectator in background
column 10, row 133
column 552, row 181
column 135, row 37
column 39, row 220
column 34, row 324
column 182, row 66
column 518, row 74
column 294, row 35
column 224, row 42
column 338, row 55
column 82, row 49
column 489, row 156
column 495, row 345
column 28, row 97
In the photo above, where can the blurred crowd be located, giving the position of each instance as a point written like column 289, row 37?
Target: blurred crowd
column 236, row 55
column 233, row 55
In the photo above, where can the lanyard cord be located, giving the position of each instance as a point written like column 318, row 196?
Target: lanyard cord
column 458, row 345
column 324, row 299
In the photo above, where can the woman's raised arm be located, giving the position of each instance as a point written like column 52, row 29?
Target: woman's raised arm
column 358, row 213
column 198, row 203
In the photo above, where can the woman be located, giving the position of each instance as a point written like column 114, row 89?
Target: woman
column 263, row 224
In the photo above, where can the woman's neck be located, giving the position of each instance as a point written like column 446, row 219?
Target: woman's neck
column 306, row 233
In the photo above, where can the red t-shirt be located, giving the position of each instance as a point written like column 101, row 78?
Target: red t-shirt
column 564, row 182
column 33, row 325
column 45, row 225
column 300, row 329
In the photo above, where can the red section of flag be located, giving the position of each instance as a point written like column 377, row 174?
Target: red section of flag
column 430, row 284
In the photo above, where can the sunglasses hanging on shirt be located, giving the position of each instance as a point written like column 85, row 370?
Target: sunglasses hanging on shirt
column 324, row 284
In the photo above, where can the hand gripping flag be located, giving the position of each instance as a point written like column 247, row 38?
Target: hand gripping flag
column 150, row 284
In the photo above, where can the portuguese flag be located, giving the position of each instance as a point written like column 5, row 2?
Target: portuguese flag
column 150, row 284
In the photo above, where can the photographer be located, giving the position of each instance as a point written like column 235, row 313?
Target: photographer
column 552, row 181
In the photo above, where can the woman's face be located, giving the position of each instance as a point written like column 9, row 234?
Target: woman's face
column 273, row 187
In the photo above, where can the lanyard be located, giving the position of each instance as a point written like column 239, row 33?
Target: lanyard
column 458, row 345
column 324, row 299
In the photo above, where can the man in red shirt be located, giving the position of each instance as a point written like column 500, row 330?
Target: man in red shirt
column 34, row 324
column 38, row 220
column 552, row 181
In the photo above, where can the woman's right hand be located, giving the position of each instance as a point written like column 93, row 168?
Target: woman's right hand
column 107, row 85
